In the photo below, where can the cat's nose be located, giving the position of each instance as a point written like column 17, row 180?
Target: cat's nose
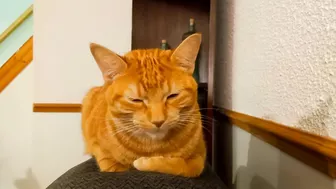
column 158, row 124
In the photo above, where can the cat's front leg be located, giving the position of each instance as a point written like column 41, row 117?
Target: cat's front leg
column 106, row 162
column 110, row 165
column 192, row 167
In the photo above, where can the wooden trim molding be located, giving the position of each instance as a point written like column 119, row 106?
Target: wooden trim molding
column 60, row 108
column 71, row 107
column 316, row 151
column 16, row 23
column 16, row 63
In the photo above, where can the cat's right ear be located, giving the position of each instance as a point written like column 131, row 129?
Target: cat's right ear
column 186, row 53
column 109, row 63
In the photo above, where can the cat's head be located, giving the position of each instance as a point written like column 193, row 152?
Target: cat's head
column 151, row 91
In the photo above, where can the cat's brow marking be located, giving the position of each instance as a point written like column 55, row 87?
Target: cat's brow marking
column 133, row 89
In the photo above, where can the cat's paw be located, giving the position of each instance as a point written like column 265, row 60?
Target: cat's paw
column 147, row 163
column 141, row 163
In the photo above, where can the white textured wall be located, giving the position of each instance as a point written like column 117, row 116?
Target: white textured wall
column 277, row 60
column 16, row 132
column 282, row 61
column 65, row 70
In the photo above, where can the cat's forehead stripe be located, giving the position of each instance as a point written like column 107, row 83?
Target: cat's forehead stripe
column 173, row 86
column 150, row 65
column 165, row 86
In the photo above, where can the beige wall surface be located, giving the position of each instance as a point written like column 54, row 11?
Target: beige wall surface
column 65, row 70
column 16, row 132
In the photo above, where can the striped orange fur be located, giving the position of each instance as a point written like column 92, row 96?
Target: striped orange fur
column 146, row 114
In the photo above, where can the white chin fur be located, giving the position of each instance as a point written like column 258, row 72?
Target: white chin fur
column 157, row 135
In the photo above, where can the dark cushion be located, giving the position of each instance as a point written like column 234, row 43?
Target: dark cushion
column 87, row 176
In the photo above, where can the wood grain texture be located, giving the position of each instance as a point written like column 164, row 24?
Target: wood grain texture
column 73, row 107
column 16, row 63
column 316, row 151
column 154, row 20
column 56, row 107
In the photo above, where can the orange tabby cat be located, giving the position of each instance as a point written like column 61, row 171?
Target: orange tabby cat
column 146, row 114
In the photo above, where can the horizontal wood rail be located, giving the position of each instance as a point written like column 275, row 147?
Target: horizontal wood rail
column 16, row 23
column 56, row 107
column 72, row 108
column 16, row 63
column 314, row 150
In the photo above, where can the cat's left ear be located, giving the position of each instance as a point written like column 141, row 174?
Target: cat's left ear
column 186, row 53
column 110, row 64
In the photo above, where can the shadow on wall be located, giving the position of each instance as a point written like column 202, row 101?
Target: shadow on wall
column 269, row 168
column 224, row 54
column 222, row 145
column 29, row 182
column 222, row 130
column 246, row 180
column 315, row 122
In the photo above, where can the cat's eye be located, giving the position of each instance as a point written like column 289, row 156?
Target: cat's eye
column 136, row 100
column 172, row 96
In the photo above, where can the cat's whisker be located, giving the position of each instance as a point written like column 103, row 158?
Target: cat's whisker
column 112, row 119
column 198, row 110
column 193, row 121
column 121, row 125
column 120, row 131
column 196, row 120
column 122, row 119
column 123, row 130
column 125, row 127
column 206, row 129
column 130, row 136
column 205, row 109
column 193, row 114
column 203, row 117
column 180, row 125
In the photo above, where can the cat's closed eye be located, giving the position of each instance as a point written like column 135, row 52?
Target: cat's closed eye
column 135, row 100
column 171, row 96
